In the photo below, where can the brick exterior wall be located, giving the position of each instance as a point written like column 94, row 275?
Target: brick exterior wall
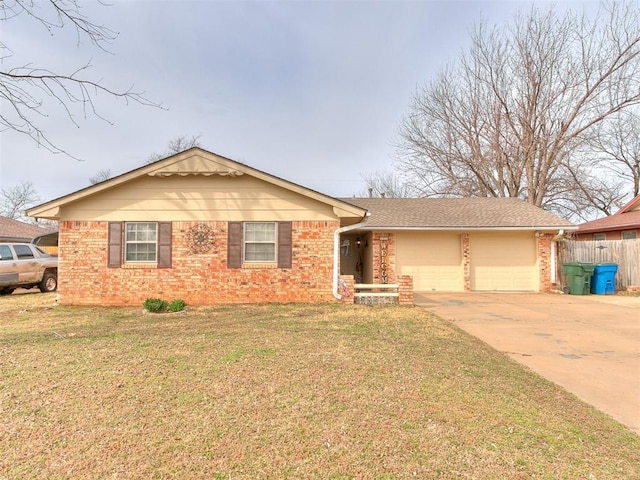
column 199, row 279
column 405, row 290
column 544, row 260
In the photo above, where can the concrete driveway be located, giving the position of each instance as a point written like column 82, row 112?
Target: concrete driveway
column 590, row 344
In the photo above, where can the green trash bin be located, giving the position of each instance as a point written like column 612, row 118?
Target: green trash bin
column 578, row 277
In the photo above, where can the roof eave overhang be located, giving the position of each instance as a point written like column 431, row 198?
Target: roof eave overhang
column 551, row 228
column 613, row 228
column 10, row 239
column 44, row 211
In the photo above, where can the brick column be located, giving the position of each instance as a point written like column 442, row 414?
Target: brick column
column 389, row 254
column 544, row 260
column 346, row 288
column 466, row 261
column 405, row 290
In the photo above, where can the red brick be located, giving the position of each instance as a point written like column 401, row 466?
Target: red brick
column 199, row 279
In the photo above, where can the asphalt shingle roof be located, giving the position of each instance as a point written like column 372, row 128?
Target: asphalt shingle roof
column 620, row 221
column 627, row 218
column 10, row 228
column 456, row 213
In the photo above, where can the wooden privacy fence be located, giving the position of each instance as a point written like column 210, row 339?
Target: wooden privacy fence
column 626, row 253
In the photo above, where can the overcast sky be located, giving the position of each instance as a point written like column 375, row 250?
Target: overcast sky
column 309, row 91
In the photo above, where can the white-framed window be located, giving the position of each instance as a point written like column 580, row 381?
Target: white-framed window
column 260, row 240
column 629, row 235
column 599, row 236
column 141, row 242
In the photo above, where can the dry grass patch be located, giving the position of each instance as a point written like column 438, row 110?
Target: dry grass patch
column 282, row 391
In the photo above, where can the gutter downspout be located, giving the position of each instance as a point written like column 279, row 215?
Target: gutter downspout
column 553, row 262
column 336, row 254
column 553, row 258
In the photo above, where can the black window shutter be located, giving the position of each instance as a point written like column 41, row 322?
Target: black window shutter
column 285, row 245
column 234, row 245
column 114, row 253
column 164, row 244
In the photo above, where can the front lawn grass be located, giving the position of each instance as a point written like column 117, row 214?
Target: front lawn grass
column 282, row 391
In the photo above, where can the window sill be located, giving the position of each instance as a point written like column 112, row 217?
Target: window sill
column 259, row 266
column 142, row 265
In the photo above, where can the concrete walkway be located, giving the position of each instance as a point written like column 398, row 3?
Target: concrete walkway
column 590, row 344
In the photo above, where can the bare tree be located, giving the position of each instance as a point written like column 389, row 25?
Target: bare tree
column 616, row 146
column 587, row 190
column 386, row 184
column 24, row 87
column 177, row 145
column 511, row 117
column 15, row 200
column 100, row 176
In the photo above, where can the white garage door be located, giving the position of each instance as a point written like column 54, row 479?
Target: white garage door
column 433, row 259
column 503, row 262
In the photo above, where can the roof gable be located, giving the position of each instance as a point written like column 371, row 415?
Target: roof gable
column 633, row 205
column 194, row 162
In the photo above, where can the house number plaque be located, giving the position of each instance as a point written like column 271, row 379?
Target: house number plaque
column 200, row 238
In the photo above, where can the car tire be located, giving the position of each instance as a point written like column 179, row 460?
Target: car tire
column 49, row 283
column 6, row 291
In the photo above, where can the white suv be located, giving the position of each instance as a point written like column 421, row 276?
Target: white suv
column 23, row 265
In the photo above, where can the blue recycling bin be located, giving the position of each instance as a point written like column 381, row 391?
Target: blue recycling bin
column 603, row 280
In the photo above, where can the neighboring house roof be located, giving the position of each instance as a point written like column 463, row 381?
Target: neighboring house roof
column 457, row 214
column 16, row 231
column 627, row 218
column 195, row 161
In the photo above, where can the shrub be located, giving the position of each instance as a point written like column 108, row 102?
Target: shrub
column 177, row 305
column 155, row 305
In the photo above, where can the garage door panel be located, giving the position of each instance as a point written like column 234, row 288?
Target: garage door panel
column 445, row 279
column 503, row 262
column 501, row 279
column 434, row 260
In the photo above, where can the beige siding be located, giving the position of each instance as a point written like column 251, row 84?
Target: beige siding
column 433, row 259
column 505, row 261
column 197, row 198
